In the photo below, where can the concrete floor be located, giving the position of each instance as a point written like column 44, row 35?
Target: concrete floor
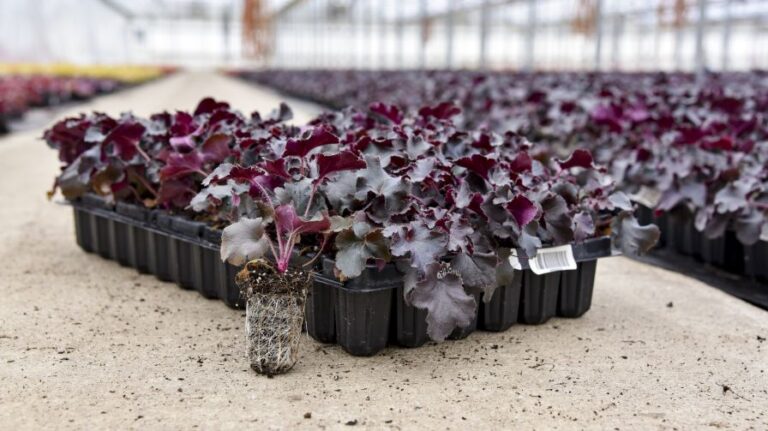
column 87, row 344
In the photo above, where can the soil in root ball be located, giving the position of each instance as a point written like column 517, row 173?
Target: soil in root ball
column 274, row 314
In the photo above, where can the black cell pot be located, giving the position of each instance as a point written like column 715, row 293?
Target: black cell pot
column 662, row 223
column 679, row 235
column 189, row 265
column 228, row 290
column 712, row 250
column 100, row 225
column 135, row 251
column 210, row 261
column 409, row 327
column 538, row 298
column 576, row 287
column 161, row 249
column 363, row 309
column 501, row 312
column 756, row 261
column 644, row 215
column 733, row 261
column 320, row 313
column 83, row 233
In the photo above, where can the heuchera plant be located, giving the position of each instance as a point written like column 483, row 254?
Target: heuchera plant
column 699, row 142
column 160, row 161
column 364, row 188
column 442, row 204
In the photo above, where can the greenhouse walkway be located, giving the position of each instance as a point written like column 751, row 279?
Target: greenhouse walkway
column 85, row 343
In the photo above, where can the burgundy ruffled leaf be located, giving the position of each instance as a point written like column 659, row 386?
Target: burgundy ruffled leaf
column 216, row 148
column 390, row 112
column 179, row 165
column 124, row 140
column 442, row 111
column 209, row 105
column 318, row 137
column 175, row 193
column 288, row 222
column 478, row 164
column 183, row 124
column 275, row 167
column 579, row 158
column 522, row 210
column 344, row 161
column 521, row 163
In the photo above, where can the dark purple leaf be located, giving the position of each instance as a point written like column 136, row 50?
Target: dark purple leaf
column 439, row 290
column 631, row 238
column 442, row 111
column 390, row 112
column 318, row 137
column 124, row 140
column 579, row 158
column 522, row 209
column 216, row 148
column 344, row 161
column 477, row 164
column 209, row 105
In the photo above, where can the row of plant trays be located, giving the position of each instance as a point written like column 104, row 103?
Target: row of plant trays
column 679, row 235
column 362, row 315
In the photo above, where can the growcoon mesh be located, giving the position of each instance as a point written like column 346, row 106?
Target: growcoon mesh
column 273, row 330
column 274, row 315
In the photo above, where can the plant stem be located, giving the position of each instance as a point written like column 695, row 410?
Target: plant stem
column 320, row 250
column 311, row 198
column 143, row 153
column 146, row 185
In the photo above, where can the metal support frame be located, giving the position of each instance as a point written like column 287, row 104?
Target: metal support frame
column 617, row 35
column 423, row 14
column 700, row 58
column 598, row 34
column 485, row 11
column 449, row 31
column 382, row 34
column 530, row 37
column 399, row 45
column 726, row 48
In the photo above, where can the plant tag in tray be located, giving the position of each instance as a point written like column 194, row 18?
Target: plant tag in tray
column 514, row 262
column 648, row 196
column 553, row 259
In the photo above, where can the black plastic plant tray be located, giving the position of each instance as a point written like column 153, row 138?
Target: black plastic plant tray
column 362, row 315
column 366, row 314
column 725, row 253
column 169, row 247
column 723, row 262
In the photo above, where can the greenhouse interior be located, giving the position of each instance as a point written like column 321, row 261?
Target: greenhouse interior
column 384, row 214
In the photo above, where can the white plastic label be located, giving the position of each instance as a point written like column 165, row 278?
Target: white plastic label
column 514, row 262
column 553, row 259
column 648, row 196
column 764, row 233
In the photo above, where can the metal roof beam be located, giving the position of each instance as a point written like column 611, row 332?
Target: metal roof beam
column 118, row 8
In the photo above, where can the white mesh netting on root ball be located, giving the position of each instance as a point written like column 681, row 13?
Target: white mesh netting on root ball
column 273, row 330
